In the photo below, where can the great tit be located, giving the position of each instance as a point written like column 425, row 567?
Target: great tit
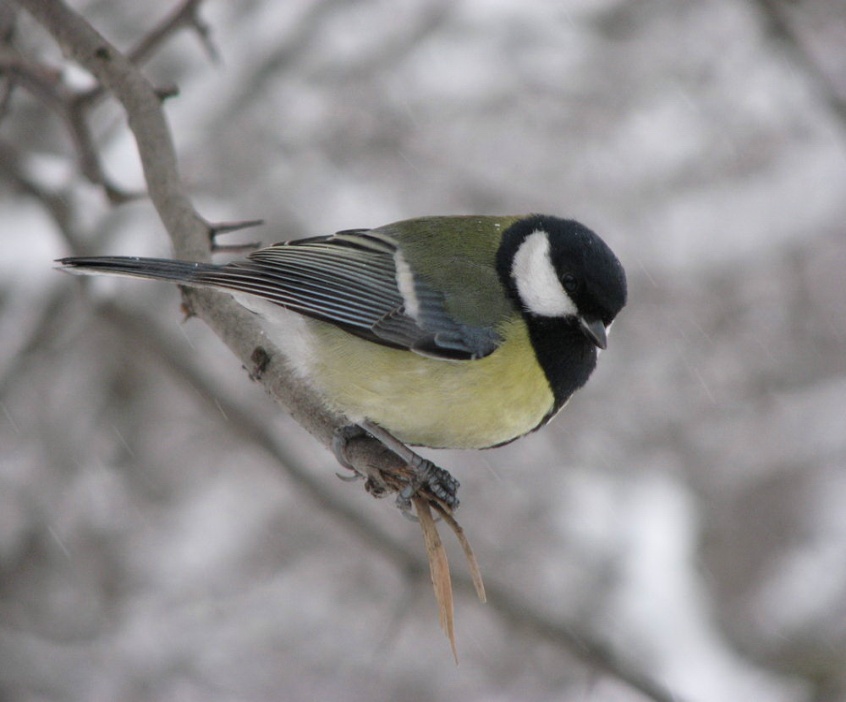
column 448, row 332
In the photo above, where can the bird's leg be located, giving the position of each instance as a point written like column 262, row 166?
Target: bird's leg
column 426, row 474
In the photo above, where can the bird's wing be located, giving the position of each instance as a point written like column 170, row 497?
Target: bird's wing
column 358, row 280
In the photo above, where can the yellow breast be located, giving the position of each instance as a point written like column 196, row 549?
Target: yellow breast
column 428, row 402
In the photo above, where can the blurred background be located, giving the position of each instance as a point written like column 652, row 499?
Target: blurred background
column 687, row 508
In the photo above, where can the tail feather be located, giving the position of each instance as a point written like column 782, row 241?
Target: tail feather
column 187, row 272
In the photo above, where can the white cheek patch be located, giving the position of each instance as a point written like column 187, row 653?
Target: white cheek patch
column 405, row 283
column 536, row 280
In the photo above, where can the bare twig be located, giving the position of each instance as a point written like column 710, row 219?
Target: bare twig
column 220, row 228
column 186, row 15
column 81, row 43
column 45, row 84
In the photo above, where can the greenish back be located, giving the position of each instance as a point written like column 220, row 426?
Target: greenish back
column 457, row 255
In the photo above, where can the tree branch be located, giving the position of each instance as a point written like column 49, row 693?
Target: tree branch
column 237, row 328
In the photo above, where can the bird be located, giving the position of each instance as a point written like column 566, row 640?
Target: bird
column 462, row 332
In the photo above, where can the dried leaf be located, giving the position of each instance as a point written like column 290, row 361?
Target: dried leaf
column 439, row 569
column 472, row 563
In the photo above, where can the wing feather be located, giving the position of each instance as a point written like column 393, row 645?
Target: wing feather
column 348, row 279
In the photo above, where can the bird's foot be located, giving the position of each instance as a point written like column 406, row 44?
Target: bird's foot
column 428, row 476
column 425, row 475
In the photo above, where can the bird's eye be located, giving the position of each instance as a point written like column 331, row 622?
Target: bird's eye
column 570, row 282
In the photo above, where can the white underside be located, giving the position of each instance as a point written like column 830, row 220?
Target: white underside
column 286, row 330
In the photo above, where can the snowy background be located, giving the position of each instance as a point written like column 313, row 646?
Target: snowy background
column 689, row 506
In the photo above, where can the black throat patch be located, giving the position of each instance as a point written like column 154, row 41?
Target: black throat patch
column 566, row 355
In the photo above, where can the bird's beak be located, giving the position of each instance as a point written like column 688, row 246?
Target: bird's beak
column 594, row 330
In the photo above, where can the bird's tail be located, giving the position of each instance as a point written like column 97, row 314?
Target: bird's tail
column 186, row 272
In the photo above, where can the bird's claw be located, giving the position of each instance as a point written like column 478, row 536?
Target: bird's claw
column 425, row 474
column 436, row 480
column 349, row 478
column 340, row 439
